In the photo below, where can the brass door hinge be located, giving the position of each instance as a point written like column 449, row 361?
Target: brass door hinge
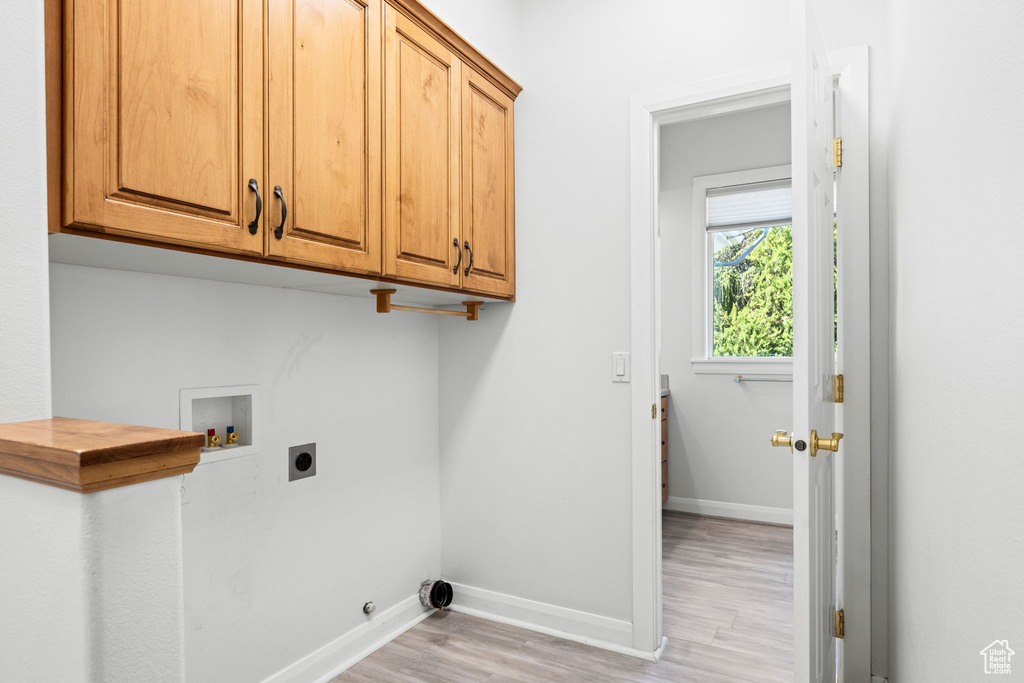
column 837, row 152
column 837, row 389
column 840, row 628
column 654, row 411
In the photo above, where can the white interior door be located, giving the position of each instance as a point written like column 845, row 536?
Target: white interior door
column 813, row 351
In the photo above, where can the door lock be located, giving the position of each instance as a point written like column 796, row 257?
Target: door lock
column 824, row 444
column 780, row 440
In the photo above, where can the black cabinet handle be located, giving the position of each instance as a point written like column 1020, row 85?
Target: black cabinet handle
column 470, row 266
column 458, row 263
column 255, row 225
column 279, row 230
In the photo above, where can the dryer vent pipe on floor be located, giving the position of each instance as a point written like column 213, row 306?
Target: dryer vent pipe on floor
column 436, row 594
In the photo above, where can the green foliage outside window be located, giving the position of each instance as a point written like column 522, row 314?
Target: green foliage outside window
column 753, row 300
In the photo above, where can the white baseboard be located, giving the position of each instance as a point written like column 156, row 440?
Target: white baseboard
column 716, row 508
column 582, row 627
column 879, row 679
column 336, row 656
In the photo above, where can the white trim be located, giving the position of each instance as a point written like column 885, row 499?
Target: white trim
column 646, row 385
column 775, row 367
column 648, row 111
column 853, row 461
column 719, row 508
column 326, row 662
column 581, row 627
column 879, row 679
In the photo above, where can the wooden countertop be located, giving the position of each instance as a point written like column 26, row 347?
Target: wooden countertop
column 87, row 456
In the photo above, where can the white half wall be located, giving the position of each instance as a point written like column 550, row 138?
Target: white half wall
column 955, row 105
column 718, row 450
column 273, row 570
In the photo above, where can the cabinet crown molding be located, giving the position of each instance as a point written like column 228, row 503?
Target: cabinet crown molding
column 429, row 21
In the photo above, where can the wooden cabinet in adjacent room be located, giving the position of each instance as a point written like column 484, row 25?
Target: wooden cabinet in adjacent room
column 664, row 449
column 164, row 128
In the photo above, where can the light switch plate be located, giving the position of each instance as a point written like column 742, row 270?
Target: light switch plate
column 620, row 366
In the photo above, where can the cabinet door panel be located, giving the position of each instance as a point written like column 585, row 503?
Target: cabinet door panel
column 325, row 132
column 488, row 203
column 421, row 187
column 166, row 120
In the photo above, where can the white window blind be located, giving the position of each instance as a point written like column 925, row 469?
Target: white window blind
column 750, row 206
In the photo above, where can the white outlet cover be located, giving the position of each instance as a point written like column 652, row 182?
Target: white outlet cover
column 620, row 366
column 186, row 489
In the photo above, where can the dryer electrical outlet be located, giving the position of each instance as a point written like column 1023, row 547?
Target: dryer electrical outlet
column 301, row 461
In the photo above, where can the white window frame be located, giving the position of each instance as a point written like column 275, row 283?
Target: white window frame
column 703, row 329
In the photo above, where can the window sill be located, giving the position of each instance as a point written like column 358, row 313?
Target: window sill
column 773, row 367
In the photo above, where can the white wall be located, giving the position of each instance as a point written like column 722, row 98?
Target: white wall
column 39, row 607
column 272, row 569
column 958, row 321
column 24, row 308
column 717, row 429
column 535, row 461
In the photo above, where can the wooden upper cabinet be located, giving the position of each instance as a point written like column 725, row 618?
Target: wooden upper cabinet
column 358, row 136
column 488, row 201
column 164, row 121
column 422, row 80
column 324, row 95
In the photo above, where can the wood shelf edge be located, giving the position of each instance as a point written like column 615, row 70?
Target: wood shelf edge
column 87, row 456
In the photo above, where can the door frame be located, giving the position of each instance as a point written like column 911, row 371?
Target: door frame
column 703, row 99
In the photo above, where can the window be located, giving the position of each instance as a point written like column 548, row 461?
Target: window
column 744, row 243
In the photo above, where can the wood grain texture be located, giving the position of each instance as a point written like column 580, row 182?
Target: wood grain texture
column 421, row 170
column 728, row 614
column 155, row 124
column 325, row 133
column 488, row 186
column 86, row 456
column 467, row 53
column 165, row 126
column 54, row 35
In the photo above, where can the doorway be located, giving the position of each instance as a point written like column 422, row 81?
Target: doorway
column 725, row 217
column 651, row 113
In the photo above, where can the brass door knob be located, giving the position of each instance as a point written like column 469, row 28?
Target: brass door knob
column 780, row 440
column 824, row 444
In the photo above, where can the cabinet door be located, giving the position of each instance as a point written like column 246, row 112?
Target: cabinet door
column 488, row 201
column 166, row 120
column 421, row 170
column 325, row 133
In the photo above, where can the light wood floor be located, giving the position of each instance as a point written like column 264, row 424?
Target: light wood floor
column 728, row 615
